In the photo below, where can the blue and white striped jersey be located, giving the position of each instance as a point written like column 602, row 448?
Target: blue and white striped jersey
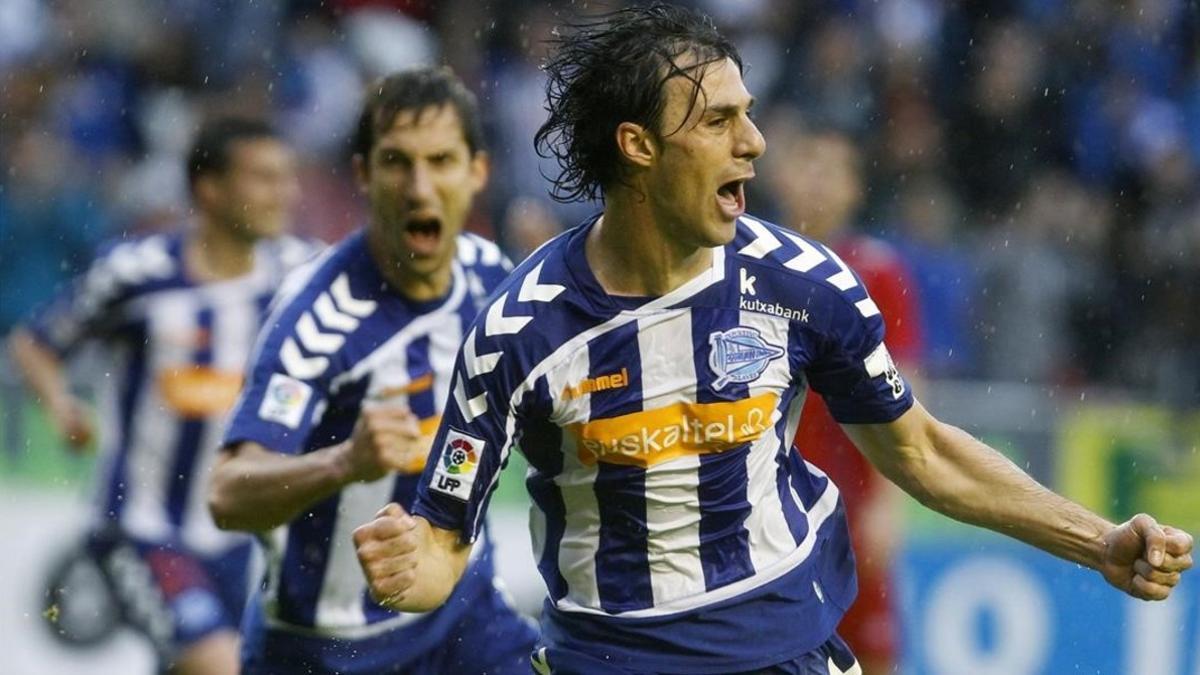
column 337, row 339
column 175, row 350
column 674, row 527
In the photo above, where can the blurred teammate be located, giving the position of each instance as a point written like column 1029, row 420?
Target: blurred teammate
column 177, row 315
column 816, row 178
column 651, row 364
column 343, row 397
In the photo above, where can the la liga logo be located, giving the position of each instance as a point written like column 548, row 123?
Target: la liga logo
column 460, row 457
column 287, row 393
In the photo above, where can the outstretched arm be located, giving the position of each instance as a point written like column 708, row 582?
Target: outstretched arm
column 411, row 565
column 950, row 471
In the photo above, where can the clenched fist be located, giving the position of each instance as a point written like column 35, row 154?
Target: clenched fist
column 1145, row 559
column 385, row 438
column 402, row 561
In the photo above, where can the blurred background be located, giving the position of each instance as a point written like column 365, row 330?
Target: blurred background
column 1031, row 168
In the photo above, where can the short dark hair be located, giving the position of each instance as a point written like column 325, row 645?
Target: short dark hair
column 416, row 90
column 212, row 148
column 613, row 69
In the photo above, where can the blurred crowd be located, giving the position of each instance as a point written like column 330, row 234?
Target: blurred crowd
column 1033, row 162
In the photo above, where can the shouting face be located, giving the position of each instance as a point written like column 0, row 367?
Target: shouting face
column 705, row 156
column 420, row 178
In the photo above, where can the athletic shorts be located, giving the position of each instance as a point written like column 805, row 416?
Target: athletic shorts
column 171, row 595
column 490, row 637
column 831, row 658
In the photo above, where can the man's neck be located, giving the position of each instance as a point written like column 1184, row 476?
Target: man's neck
column 419, row 288
column 631, row 252
column 215, row 253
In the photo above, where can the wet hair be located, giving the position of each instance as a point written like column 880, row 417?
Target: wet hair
column 212, row 149
column 614, row 69
column 416, row 90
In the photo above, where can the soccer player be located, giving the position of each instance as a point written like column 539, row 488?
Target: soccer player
column 344, row 394
column 651, row 365
column 816, row 176
column 177, row 315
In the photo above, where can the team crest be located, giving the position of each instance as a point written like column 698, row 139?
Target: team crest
column 739, row 355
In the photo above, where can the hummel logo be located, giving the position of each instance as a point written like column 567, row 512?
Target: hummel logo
column 747, row 282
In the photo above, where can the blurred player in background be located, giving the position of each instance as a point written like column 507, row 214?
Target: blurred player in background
column 816, row 178
column 650, row 365
column 177, row 315
column 345, row 392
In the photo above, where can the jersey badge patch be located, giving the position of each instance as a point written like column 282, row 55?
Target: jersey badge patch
column 879, row 362
column 739, row 355
column 456, row 468
column 285, row 401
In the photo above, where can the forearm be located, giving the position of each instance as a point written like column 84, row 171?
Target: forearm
column 950, row 471
column 40, row 367
column 255, row 489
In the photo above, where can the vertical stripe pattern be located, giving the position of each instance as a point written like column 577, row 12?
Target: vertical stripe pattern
column 673, row 520
column 624, row 581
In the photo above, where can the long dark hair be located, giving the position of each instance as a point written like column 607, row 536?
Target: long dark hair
column 613, row 69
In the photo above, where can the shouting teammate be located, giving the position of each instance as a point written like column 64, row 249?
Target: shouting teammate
column 651, row 365
column 177, row 315
column 344, row 394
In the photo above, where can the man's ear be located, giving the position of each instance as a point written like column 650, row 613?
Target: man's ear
column 481, row 170
column 636, row 144
column 362, row 174
column 206, row 191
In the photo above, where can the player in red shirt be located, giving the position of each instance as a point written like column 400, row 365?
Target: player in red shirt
column 816, row 179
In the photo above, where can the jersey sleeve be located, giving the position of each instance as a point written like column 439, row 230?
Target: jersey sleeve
column 285, row 389
column 92, row 305
column 854, row 373
column 473, row 441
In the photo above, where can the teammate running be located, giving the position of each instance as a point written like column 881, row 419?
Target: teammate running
column 651, row 365
column 177, row 315
column 347, row 387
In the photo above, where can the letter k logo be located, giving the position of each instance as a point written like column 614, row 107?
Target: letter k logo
column 747, row 282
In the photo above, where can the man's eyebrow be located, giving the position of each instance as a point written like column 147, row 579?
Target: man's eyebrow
column 728, row 108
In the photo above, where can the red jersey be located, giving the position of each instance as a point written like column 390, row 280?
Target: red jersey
column 819, row 437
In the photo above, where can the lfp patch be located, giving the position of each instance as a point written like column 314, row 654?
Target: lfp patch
column 455, row 473
column 285, row 401
column 739, row 355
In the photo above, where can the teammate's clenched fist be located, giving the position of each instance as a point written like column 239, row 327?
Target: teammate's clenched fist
column 385, row 439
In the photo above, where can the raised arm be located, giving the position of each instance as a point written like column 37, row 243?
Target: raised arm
column 255, row 488
column 410, row 565
column 950, row 471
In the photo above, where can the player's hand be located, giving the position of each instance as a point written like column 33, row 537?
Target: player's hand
column 1145, row 559
column 385, row 438
column 73, row 422
column 388, row 550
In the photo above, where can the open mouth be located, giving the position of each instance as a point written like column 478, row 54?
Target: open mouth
column 423, row 236
column 731, row 197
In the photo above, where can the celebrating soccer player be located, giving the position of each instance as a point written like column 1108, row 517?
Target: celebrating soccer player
column 651, row 365
column 345, row 392
column 177, row 315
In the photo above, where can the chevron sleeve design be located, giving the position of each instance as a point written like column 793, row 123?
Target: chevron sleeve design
column 93, row 300
column 480, row 414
